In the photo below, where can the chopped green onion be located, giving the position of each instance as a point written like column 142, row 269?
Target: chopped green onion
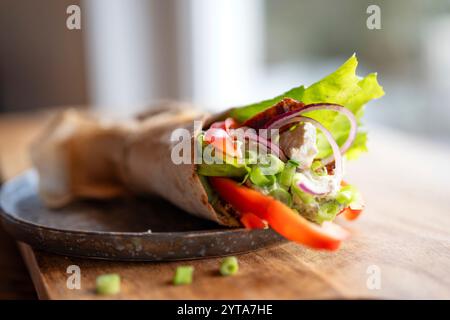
column 356, row 198
column 251, row 157
column 318, row 168
column 346, row 195
column 303, row 196
column 327, row 211
column 259, row 179
column 183, row 275
column 282, row 195
column 199, row 147
column 229, row 266
column 270, row 164
column 108, row 284
column 316, row 165
column 288, row 173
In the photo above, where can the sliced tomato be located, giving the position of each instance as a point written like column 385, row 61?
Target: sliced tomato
column 222, row 141
column 252, row 221
column 280, row 217
column 227, row 124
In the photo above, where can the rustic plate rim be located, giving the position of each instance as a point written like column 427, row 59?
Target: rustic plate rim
column 28, row 175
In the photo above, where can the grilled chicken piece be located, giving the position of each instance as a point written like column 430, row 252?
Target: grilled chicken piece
column 299, row 144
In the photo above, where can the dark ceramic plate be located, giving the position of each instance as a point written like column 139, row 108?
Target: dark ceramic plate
column 147, row 229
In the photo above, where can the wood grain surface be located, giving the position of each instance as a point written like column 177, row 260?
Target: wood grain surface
column 15, row 282
column 403, row 235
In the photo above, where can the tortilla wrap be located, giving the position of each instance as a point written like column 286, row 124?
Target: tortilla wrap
column 81, row 156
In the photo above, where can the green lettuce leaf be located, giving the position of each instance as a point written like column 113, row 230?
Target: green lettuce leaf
column 342, row 87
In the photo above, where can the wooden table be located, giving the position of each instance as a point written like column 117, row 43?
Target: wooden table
column 403, row 237
column 15, row 132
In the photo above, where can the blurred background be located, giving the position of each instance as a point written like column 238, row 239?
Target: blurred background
column 224, row 53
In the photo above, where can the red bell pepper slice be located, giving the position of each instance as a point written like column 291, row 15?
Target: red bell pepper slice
column 351, row 214
column 252, row 221
column 280, row 217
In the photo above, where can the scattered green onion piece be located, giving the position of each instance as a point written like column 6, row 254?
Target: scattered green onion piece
column 108, row 284
column 183, row 275
column 288, row 173
column 229, row 266
column 282, row 195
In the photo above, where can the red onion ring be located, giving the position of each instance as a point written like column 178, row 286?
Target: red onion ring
column 321, row 106
column 309, row 187
column 338, row 169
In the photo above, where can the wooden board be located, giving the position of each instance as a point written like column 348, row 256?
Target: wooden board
column 15, row 282
column 403, row 236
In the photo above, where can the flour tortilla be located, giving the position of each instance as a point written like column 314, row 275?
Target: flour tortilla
column 80, row 156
